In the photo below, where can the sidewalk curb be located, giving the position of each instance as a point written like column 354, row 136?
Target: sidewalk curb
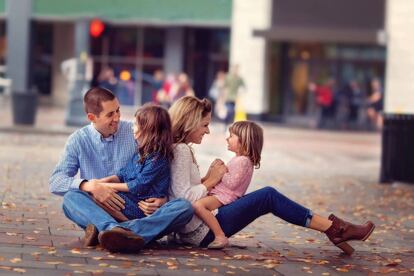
column 38, row 130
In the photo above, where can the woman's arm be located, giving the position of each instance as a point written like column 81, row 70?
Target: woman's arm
column 214, row 163
column 214, row 174
column 181, row 170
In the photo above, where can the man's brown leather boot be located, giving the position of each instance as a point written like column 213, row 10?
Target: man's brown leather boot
column 121, row 240
column 91, row 236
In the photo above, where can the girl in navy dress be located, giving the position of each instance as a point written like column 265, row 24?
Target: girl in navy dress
column 147, row 174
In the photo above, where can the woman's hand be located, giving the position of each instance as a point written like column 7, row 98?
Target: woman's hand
column 213, row 164
column 150, row 205
column 216, row 173
column 218, row 170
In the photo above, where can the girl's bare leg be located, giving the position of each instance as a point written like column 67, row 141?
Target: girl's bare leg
column 203, row 208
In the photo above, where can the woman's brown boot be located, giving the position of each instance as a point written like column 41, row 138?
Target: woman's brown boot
column 342, row 231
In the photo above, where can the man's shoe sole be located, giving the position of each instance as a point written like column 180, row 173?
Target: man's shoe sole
column 115, row 241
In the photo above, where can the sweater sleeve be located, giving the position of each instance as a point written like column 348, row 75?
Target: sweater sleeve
column 181, row 168
column 144, row 181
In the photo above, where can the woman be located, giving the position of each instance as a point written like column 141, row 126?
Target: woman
column 190, row 122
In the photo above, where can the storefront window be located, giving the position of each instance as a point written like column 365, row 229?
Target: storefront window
column 123, row 42
column 207, row 52
column 154, row 43
column 125, row 59
column 41, row 55
column 220, row 41
column 2, row 43
column 317, row 63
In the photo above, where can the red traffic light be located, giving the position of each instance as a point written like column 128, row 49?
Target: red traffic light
column 96, row 28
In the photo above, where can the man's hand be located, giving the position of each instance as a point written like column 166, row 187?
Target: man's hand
column 150, row 205
column 105, row 195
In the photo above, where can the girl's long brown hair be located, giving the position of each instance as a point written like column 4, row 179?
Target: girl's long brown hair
column 154, row 131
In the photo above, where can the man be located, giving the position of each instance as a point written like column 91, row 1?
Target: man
column 98, row 150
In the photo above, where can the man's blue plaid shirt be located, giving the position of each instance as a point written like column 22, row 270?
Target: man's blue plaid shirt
column 93, row 156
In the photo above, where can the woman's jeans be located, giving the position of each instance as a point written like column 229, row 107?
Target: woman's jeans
column 238, row 214
column 80, row 208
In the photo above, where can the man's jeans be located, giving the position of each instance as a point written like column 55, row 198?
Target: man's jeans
column 79, row 207
column 238, row 214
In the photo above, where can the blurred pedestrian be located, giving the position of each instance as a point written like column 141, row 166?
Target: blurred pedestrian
column 107, row 79
column 343, row 101
column 234, row 86
column 217, row 95
column 325, row 101
column 356, row 104
column 152, row 83
column 181, row 88
column 375, row 104
column 163, row 96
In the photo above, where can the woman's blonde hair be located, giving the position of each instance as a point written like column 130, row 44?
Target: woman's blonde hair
column 251, row 140
column 186, row 115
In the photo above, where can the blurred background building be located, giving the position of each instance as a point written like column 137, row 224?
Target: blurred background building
column 315, row 63
column 281, row 46
column 132, row 37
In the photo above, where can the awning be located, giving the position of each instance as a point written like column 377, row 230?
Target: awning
column 2, row 9
column 323, row 34
column 159, row 12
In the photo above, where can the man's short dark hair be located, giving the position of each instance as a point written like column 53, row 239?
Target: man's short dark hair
column 92, row 101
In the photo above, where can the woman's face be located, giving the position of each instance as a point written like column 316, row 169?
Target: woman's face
column 196, row 136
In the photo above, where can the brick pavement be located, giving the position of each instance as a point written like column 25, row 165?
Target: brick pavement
column 327, row 171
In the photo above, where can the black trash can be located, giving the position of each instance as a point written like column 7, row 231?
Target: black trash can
column 24, row 107
column 397, row 160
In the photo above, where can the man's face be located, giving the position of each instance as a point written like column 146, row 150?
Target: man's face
column 108, row 120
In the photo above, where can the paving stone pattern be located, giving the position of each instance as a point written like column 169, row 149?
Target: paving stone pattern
column 326, row 171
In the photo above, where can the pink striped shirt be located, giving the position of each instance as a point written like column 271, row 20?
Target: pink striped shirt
column 235, row 182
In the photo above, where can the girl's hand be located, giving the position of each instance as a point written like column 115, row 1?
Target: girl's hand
column 218, row 171
column 150, row 205
column 215, row 163
column 215, row 175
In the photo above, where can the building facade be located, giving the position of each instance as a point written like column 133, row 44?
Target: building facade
column 300, row 42
column 136, row 39
column 280, row 45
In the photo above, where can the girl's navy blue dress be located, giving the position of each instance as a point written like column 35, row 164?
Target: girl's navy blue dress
column 151, row 178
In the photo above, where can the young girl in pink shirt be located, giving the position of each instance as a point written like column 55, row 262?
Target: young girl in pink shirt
column 246, row 141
